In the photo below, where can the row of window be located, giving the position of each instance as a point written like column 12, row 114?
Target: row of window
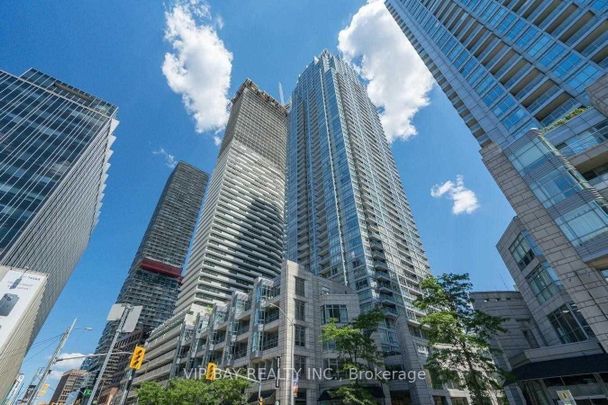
column 580, row 224
column 569, row 324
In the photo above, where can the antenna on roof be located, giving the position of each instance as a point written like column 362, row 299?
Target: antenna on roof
column 281, row 94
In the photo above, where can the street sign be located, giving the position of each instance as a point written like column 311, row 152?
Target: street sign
column 132, row 319
column 115, row 312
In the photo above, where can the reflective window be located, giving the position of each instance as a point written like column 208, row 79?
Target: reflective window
column 564, row 67
column 484, row 84
column 522, row 251
column 539, row 45
column 584, row 222
column 543, row 282
column 530, row 153
column 583, row 77
column 527, row 37
column 493, row 95
column 300, row 310
column 514, row 118
column 519, row 26
column 300, row 335
column 503, row 106
column 334, row 312
column 569, row 324
column 555, row 187
column 585, row 140
column 300, row 287
column 553, row 54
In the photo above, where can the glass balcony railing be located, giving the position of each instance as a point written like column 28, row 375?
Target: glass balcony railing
column 583, row 142
column 600, row 182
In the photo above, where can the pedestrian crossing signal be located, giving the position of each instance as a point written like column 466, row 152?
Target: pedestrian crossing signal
column 137, row 358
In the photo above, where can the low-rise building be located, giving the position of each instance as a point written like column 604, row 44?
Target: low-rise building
column 253, row 333
column 549, row 345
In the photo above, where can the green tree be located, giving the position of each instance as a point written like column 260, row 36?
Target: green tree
column 151, row 393
column 181, row 391
column 357, row 352
column 459, row 336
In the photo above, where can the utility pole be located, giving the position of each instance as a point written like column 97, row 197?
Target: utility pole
column 121, row 324
column 125, row 391
column 52, row 361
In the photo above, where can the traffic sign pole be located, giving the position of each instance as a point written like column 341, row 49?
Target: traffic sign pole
column 123, row 319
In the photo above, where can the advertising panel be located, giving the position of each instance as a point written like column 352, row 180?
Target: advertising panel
column 18, row 289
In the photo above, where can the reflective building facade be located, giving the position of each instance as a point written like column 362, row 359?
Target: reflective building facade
column 529, row 80
column 155, row 275
column 54, row 150
column 348, row 218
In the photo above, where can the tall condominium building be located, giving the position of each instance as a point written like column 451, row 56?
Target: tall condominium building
column 155, row 274
column 240, row 232
column 348, row 218
column 239, row 237
column 529, row 79
column 54, row 150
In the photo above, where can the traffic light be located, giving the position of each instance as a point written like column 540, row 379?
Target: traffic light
column 137, row 358
column 43, row 390
column 210, row 372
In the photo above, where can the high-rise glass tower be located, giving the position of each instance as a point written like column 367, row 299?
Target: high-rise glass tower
column 155, row 275
column 529, row 80
column 240, row 232
column 54, row 149
column 348, row 218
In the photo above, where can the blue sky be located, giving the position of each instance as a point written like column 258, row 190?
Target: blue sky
column 115, row 49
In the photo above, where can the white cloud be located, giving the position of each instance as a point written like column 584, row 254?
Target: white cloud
column 199, row 66
column 169, row 159
column 464, row 199
column 398, row 81
column 70, row 363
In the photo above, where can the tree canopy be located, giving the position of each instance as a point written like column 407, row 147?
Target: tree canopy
column 459, row 336
column 182, row 391
column 357, row 351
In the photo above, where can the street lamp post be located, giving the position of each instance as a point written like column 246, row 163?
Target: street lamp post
column 266, row 303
